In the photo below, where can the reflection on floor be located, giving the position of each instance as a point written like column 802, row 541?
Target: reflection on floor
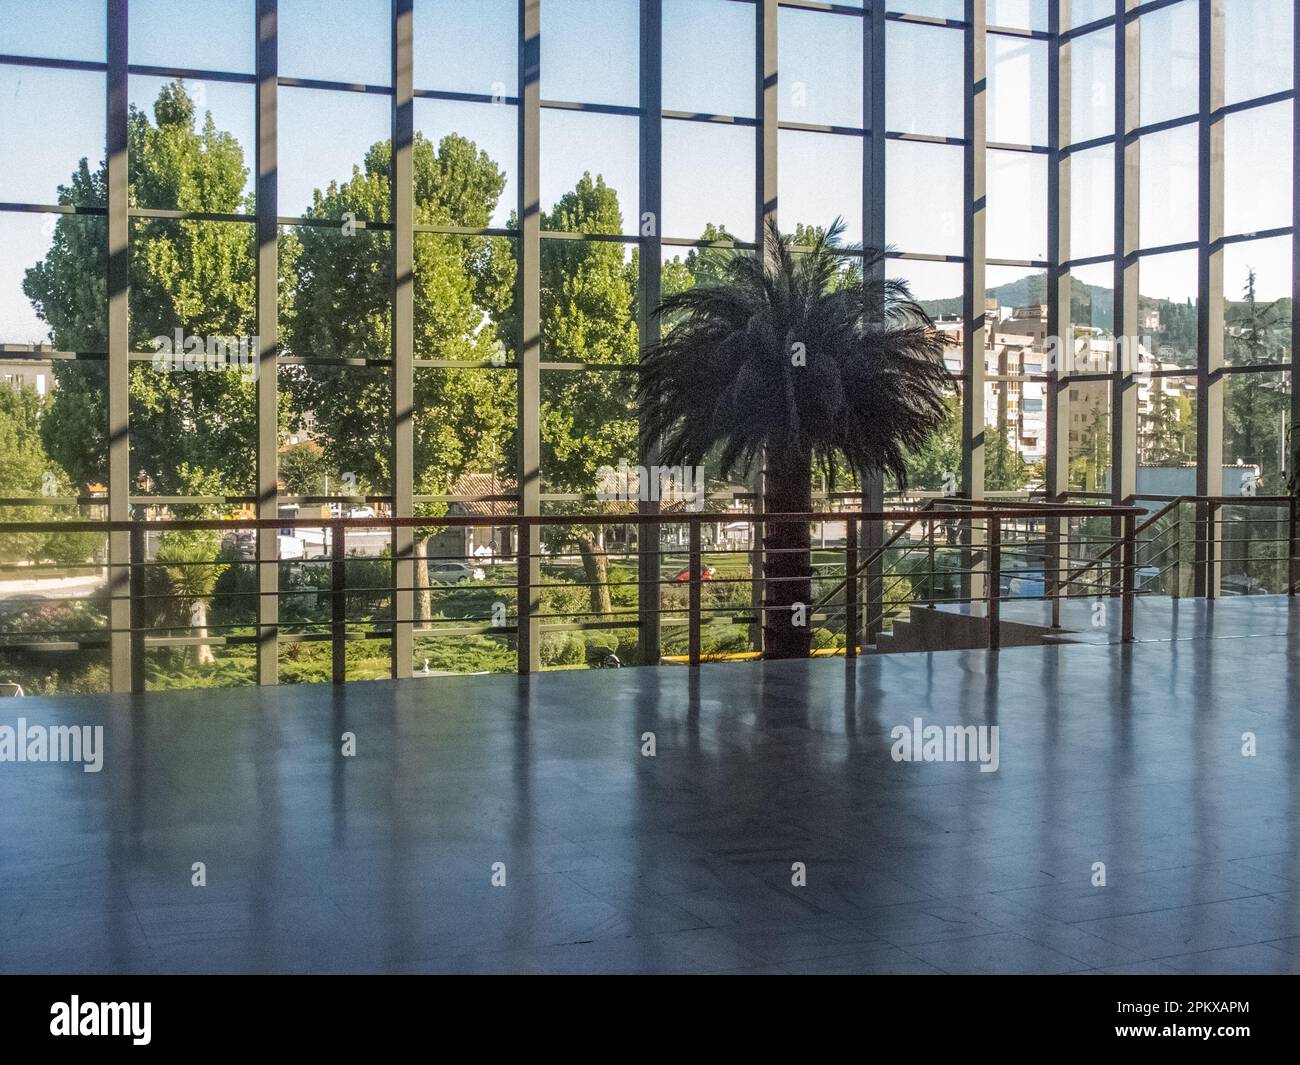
column 615, row 861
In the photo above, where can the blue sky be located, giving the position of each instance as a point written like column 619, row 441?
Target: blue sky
column 49, row 119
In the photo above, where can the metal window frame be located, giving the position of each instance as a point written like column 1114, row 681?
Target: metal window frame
column 1210, row 371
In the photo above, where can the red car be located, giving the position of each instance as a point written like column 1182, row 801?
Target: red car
column 705, row 575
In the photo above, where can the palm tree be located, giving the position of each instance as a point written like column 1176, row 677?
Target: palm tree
column 182, row 583
column 788, row 362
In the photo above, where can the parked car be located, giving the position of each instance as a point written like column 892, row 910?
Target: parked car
column 1023, row 584
column 706, row 574
column 452, row 571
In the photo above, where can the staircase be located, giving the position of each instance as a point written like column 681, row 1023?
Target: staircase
column 957, row 628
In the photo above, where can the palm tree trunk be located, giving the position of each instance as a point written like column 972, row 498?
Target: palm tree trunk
column 199, row 623
column 423, row 597
column 596, row 568
column 787, row 557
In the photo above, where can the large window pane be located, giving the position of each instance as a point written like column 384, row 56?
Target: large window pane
column 472, row 48
column 52, row 281
column 923, row 197
column 197, row 34
column 924, row 80
column 708, row 48
column 574, row 34
column 1257, row 48
column 1169, row 67
column 1167, row 307
column 1017, row 205
column 1017, row 14
column 475, row 147
column 588, row 295
column 335, row 291
column 181, row 164
column 821, row 68
column 52, row 123
column 310, row 163
column 599, row 150
column 1257, row 169
column 1092, row 86
column 1017, row 98
column 708, row 179
column 336, row 40
column 820, row 180
column 1092, row 202
column 55, row 29
column 1264, row 265
column 1092, row 307
column 1167, row 428
column 1083, row 12
column 1168, row 187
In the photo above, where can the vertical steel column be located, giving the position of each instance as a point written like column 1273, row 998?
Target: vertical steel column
column 1124, row 364
column 995, row 584
column 530, row 303
column 872, row 533
column 525, row 598
column 974, row 289
column 767, row 111
column 767, row 131
column 852, row 622
column 402, row 213
column 119, row 347
column 1209, row 279
column 1059, row 323
column 268, row 343
column 1128, row 579
column 1293, row 442
column 648, row 295
column 695, row 574
column 338, row 602
column 139, row 543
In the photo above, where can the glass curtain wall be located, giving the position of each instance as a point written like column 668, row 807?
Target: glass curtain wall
column 296, row 258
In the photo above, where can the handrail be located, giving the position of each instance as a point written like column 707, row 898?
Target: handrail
column 924, row 508
column 133, row 634
column 532, row 520
column 1145, row 524
column 1172, row 503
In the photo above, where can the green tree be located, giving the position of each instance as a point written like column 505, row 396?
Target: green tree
column 342, row 285
column 196, row 276
column 29, row 472
column 938, row 458
column 1255, row 405
column 588, row 315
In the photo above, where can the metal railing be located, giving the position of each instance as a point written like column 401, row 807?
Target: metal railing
column 970, row 554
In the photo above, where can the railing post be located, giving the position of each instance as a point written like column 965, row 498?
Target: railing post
column 693, row 606
column 1293, row 549
column 1057, row 559
column 338, row 601
column 136, row 586
column 930, row 571
column 1129, row 577
column 1178, row 553
column 524, row 598
column 995, row 583
column 1212, row 551
column 852, row 625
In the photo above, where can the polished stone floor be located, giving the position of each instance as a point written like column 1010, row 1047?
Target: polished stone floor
column 682, row 862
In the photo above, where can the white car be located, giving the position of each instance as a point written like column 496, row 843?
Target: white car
column 452, row 571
